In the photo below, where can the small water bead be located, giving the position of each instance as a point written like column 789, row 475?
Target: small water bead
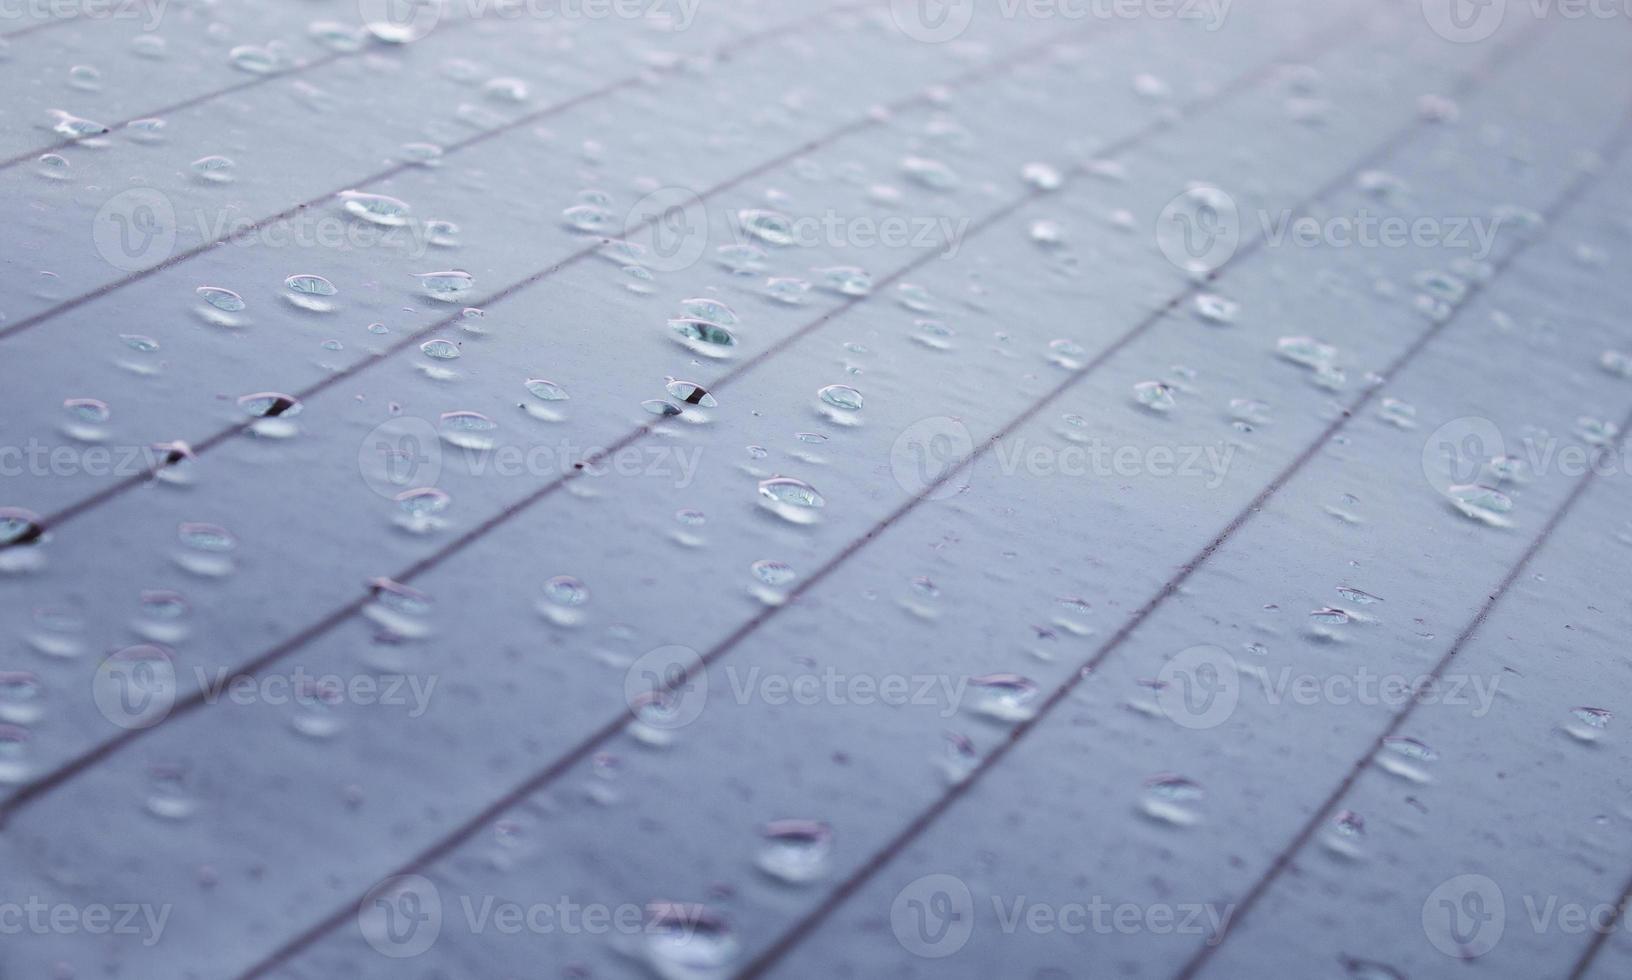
column 959, row 758
column 85, row 78
column 741, row 259
column 168, row 797
column 336, row 36
column 1381, row 185
column 547, row 391
column 310, row 292
column 589, row 217
column 703, row 337
column 226, row 300
column 771, row 227
column 690, row 393
column 422, row 154
column 792, row 500
column 1356, row 596
column 1330, row 616
column 54, row 166
column 846, row 280
column 842, row 397
column 1046, row 232
column 446, row 287
column 564, row 590
column 270, row 405
column 398, row 610
column 1042, row 176
column 661, row 408
column 75, row 127
column 14, row 766
column 788, row 290
column 1406, row 758
column 1398, row 413
column 511, row 90
column 1344, row 834
column 1306, row 351
column 796, row 851
column 420, row 509
column 1370, row 970
column 440, row 350
column 141, row 343
column 929, row 173
column 1154, row 396
column 22, row 697
column 150, row 46
column 688, row 942
column 19, row 527
column 1481, row 503
column 378, row 209
column 468, row 430
column 772, row 572
column 1249, row 410
column 1616, row 362
column 1214, row 308
column 712, row 310
column 1588, row 724
column 1596, row 432
column 1067, row 354
column 915, row 297
column 256, row 60
column 1171, row 799
column 162, row 616
column 90, row 411
column 208, row 549
column 1007, row 698
column 215, row 169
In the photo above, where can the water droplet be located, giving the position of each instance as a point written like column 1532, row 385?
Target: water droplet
column 440, row 350
column 1154, row 396
column 208, row 551
column 703, row 337
column 22, row 698
column 1042, row 176
column 842, row 397
column 1007, row 698
column 688, row 942
column 1306, row 351
column 378, row 209
column 1616, row 362
column 1481, row 503
column 1588, row 724
column 790, row 499
column 420, row 510
column 788, row 290
column 711, row 310
column 255, row 60
column 796, row 851
column 742, row 259
column 14, row 766
column 771, row 227
column 1330, row 616
column 847, row 280
column 772, row 572
column 447, row 287
column 226, row 300
column 468, row 430
column 690, row 393
column 1397, row 413
column 1214, row 308
column 1170, row 799
column 929, row 173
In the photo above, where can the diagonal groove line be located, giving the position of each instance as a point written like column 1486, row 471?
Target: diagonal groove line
column 1601, row 935
column 334, row 618
column 135, row 480
column 239, row 86
column 928, row 816
column 526, row 119
column 1284, row 859
column 449, row 842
